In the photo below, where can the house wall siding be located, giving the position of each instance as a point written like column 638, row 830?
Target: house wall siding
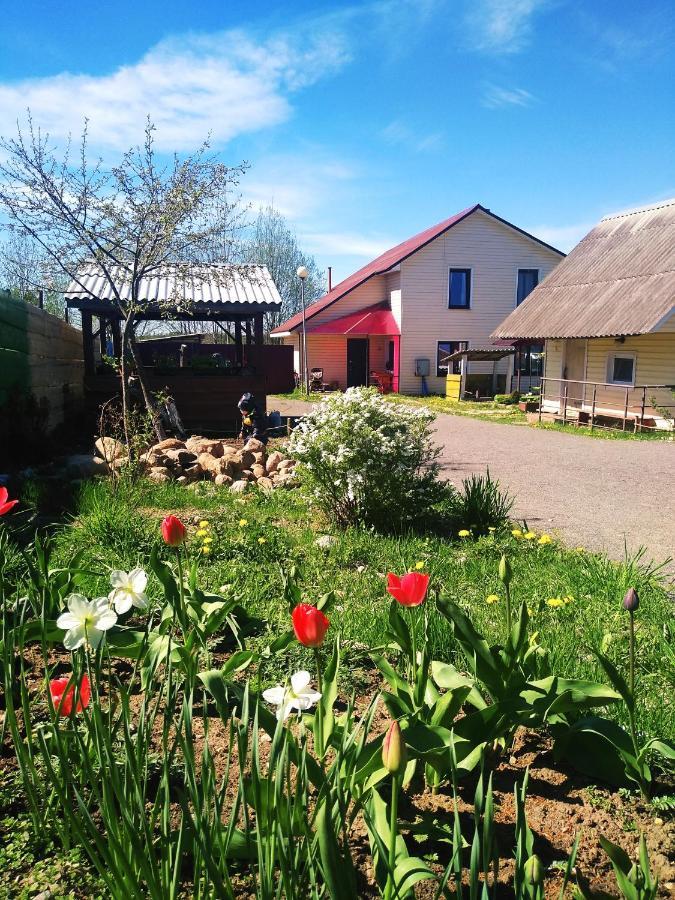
column 494, row 252
column 329, row 352
column 371, row 293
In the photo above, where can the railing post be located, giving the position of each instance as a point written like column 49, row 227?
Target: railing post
column 542, row 393
column 625, row 411
column 642, row 407
column 595, row 393
column 565, row 390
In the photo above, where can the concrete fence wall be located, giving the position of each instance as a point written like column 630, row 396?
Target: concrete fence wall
column 41, row 367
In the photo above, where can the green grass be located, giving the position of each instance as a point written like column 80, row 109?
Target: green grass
column 118, row 526
column 503, row 414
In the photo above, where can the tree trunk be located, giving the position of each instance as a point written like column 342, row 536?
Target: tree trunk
column 123, row 371
column 147, row 396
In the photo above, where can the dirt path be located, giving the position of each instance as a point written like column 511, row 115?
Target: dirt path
column 594, row 493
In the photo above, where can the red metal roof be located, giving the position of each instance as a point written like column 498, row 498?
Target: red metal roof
column 372, row 320
column 391, row 258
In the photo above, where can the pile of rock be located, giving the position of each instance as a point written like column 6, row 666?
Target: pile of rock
column 198, row 459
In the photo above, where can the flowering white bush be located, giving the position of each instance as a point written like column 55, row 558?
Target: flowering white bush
column 366, row 460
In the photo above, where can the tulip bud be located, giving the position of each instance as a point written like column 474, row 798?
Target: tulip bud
column 505, row 571
column 631, row 601
column 394, row 753
column 173, row 531
column 533, row 871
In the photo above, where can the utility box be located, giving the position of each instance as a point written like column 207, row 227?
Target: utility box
column 422, row 368
column 453, row 386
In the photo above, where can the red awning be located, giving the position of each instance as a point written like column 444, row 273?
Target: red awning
column 367, row 321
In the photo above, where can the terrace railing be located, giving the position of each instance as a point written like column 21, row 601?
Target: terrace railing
column 601, row 405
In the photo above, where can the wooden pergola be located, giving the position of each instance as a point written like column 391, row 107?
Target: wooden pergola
column 228, row 295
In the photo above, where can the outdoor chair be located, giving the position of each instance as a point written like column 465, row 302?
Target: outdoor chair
column 316, row 380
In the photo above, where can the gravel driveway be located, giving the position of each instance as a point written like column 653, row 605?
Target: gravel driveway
column 594, row 493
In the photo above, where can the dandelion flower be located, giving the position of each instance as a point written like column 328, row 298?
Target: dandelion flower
column 580, row 549
column 243, row 523
column 555, row 602
column 530, row 535
column 262, row 540
column 545, row 539
column 517, row 533
column 206, row 549
column 204, row 523
column 202, row 532
column 568, row 599
column 491, row 529
column 208, row 540
column 419, row 565
column 464, row 533
column 492, row 598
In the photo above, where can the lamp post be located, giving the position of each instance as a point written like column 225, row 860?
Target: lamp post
column 302, row 274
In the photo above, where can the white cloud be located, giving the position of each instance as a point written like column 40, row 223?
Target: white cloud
column 344, row 244
column 502, row 26
column 495, row 97
column 563, row 237
column 225, row 84
column 398, row 133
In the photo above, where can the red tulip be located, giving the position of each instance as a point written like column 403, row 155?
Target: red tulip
column 5, row 504
column 309, row 624
column 64, row 704
column 408, row 590
column 173, row 531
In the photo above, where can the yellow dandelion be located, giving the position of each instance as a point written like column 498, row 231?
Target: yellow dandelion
column 517, row 533
column 530, row 612
column 206, row 549
column 202, row 532
column 464, row 533
column 262, row 540
column 530, row 535
column 555, row 602
column 545, row 539
column 208, row 540
column 492, row 598
column 580, row 549
column 204, row 523
column 491, row 529
column 568, row 599
column 419, row 565
column 243, row 523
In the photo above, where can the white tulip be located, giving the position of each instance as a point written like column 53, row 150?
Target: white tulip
column 85, row 621
column 299, row 695
column 128, row 590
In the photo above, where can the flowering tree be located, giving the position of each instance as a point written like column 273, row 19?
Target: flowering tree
column 368, row 460
column 130, row 221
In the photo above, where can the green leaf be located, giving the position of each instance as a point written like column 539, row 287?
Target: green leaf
column 398, row 685
column 447, row 707
column 237, row 662
column 165, row 577
column 398, row 629
column 329, row 690
column 619, row 857
column 484, row 665
column 597, row 747
column 337, row 872
column 447, row 676
column 408, row 872
column 616, row 679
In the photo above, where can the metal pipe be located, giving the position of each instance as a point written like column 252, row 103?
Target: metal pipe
column 304, row 337
column 593, row 407
column 330, row 279
column 625, row 411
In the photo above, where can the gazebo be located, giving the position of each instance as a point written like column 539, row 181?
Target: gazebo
column 234, row 297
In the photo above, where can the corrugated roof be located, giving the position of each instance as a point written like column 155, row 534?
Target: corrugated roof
column 390, row 259
column 475, row 354
column 372, row 320
column 619, row 280
column 222, row 284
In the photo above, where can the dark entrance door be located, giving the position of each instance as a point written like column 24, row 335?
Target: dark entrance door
column 357, row 362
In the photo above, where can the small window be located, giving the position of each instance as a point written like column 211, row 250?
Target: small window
column 443, row 364
column 459, row 289
column 528, row 279
column 529, row 360
column 621, row 368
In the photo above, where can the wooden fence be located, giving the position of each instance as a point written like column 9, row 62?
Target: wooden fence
column 41, row 370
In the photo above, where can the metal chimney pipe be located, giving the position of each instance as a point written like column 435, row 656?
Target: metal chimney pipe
column 330, row 278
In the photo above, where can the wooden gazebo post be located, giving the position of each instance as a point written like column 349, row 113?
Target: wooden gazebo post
column 87, row 343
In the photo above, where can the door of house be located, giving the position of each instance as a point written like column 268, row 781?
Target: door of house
column 357, row 362
column 574, row 370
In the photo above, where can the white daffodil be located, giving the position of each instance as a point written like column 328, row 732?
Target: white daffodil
column 85, row 621
column 128, row 590
column 298, row 695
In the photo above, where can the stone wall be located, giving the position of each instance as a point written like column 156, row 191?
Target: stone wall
column 41, row 374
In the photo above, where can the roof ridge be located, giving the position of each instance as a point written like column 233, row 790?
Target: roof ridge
column 633, row 211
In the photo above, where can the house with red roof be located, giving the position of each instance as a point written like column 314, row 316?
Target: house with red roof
column 403, row 319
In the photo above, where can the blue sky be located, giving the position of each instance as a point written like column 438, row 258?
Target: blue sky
column 367, row 122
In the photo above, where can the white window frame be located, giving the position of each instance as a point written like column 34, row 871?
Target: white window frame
column 461, row 268
column 610, row 368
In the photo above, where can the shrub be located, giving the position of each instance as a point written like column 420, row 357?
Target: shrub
column 507, row 399
column 367, row 461
column 481, row 505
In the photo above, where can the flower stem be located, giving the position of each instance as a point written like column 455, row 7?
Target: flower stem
column 393, row 834
column 631, row 655
column 507, row 588
column 319, row 706
column 181, row 593
column 413, row 635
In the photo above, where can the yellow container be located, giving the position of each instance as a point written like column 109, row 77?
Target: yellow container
column 452, row 386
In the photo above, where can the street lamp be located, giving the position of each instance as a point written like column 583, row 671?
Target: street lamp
column 302, row 274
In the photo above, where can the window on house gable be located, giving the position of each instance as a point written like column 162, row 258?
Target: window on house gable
column 445, row 366
column 528, row 279
column 621, row 368
column 459, row 289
